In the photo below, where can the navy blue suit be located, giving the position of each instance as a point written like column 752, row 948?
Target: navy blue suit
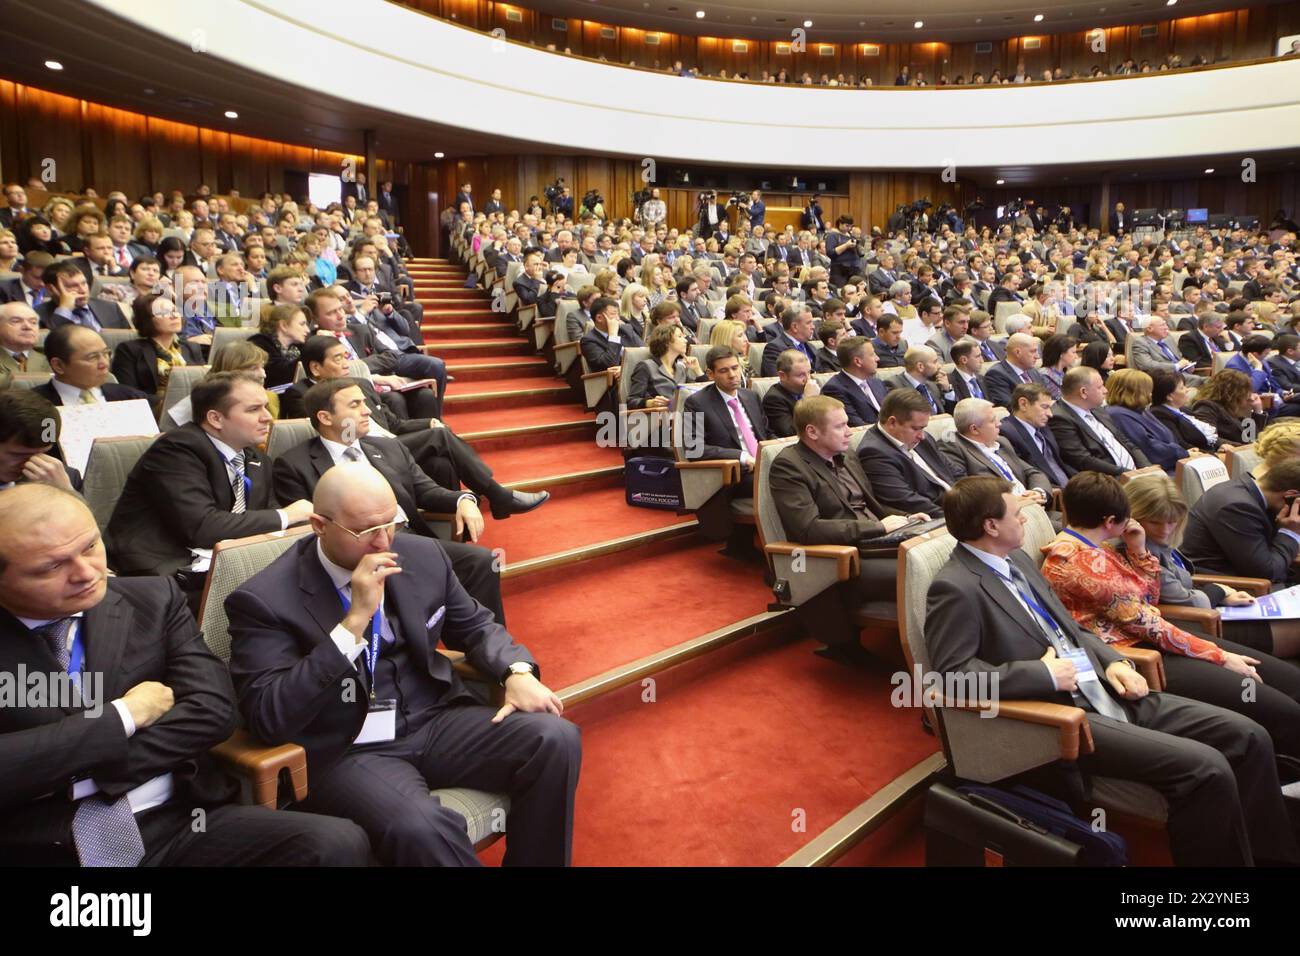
column 859, row 409
column 1150, row 434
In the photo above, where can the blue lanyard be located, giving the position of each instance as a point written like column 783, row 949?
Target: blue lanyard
column 1178, row 560
column 1076, row 534
column 372, row 650
column 77, row 656
column 1006, row 472
column 1027, row 596
column 243, row 473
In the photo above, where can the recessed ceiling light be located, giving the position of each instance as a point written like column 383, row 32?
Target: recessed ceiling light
column 1170, row 3
column 699, row 14
column 1002, row 182
column 1038, row 18
column 439, row 155
column 148, row 91
column 918, row 24
column 807, row 23
column 862, row 23
column 1209, row 171
column 231, row 114
column 53, row 65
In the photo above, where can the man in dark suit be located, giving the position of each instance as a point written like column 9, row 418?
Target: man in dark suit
column 603, row 344
column 28, row 452
column 29, row 287
column 981, row 330
column 823, row 497
column 978, row 448
column 1120, row 325
column 1119, row 220
column 79, row 360
column 794, row 383
column 888, row 344
column 1200, row 346
column 200, row 484
column 1088, row 440
column 1027, row 429
column 493, row 205
column 338, row 410
column 1215, row 767
column 797, row 328
column 857, row 386
column 1005, row 292
column 111, row 770
column 1284, row 363
column 1249, row 526
column 923, row 374
column 438, row 451
column 388, row 201
column 69, row 301
column 723, row 420
column 1018, row 368
column 711, row 214
column 967, row 376
column 334, row 647
column 907, row 470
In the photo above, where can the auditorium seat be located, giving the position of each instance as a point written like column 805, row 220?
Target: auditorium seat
column 761, row 385
column 233, row 563
column 1195, row 476
column 115, row 337
column 755, row 357
column 223, row 335
column 1241, row 459
column 1024, row 734
column 941, row 428
column 1004, row 311
column 511, row 300
column 287, row 433
column 107, row 467
column 701, row 478
column 179, row 385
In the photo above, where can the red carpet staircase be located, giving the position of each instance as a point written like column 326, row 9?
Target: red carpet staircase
column 711, row 734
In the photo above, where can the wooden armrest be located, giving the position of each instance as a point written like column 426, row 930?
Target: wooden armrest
column 1256, row 586
column 1138, row 472
column 1204, row 370
column 1072, row 722
column 645, row 411
column 846, row 556
column 1209, row 620
column 545, row 320
column 259, row 767
column 566, row 346
column 608, row 373
column 1149, row 664
column 730, row 468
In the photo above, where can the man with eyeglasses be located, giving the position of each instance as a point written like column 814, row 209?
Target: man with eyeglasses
column 79, row 359
column 200, row 484
column 334, row 647
column 340, row 414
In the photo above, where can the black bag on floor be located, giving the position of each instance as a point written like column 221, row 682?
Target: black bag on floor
column 977, row 825
column 653, row 483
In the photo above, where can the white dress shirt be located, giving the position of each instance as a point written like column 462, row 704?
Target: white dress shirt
column 1117, row 451
column 71, row 395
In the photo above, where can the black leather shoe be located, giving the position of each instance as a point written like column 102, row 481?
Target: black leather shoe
column 523, row 501
column 849, row 655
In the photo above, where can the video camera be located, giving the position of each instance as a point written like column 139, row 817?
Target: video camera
column 739, row 199
column 552, row 192
column 591, row 199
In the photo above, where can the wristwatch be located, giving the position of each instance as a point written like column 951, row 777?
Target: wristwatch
column 518, row 667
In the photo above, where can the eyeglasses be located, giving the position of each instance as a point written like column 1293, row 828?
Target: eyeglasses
column 392, row 527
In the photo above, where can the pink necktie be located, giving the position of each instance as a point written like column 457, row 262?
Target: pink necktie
column 742, row 425
column 122, row 260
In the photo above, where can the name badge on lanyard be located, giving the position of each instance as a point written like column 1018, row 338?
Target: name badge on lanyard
column 381, row 718
column 1083, row 669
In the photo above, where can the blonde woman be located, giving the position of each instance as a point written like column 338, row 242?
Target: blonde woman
column 59, row 211
column 238, row 356
column 146, row 237
column 9, row 258
column 634, row 308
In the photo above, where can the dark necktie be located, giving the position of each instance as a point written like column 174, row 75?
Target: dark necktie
column 1054, row 471
column 934, row 409
column 1090, row 690
column 86, row 317
column 973, row 386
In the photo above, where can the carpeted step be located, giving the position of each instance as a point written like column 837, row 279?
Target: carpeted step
column 574, row 520
column 507, row 394
column 444, row 331
column 480, row 370
column 433, row 318
column 479, row 347
column 533, row 436
column 753, row 749
column 565, row 452
column 476, row 421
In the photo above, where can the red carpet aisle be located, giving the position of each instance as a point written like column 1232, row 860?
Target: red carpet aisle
column 737, row 741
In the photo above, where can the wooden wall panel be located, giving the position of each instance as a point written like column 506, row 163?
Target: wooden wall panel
column 119, row 148
column 50, row 130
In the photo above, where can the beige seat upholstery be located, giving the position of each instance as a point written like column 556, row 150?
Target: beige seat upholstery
column 1004, row 311
column 888, row 376
column 761, row 385
column 1024, row 734
column 107, row 467
column 179, row 385
column 941, row 427
column 287, row 433
column 1241, row 460
column 223, row 335
column 1221, row 360
column 1196, row 476
column 115, row 337
column 513, row 271
column 233, row 563
column 565, row 349
column 756, row 357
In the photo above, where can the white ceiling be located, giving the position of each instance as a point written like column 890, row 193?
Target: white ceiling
column 879, row 20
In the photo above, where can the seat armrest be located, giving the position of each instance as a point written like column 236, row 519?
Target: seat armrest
column 1256, row 586
column 259, row 768
column 1072, row 722
column 1209, row 620
column 1149, row 663
column 846, row 557
column 730, row 468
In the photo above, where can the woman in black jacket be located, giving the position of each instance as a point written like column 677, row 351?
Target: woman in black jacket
column 147, row 362
column 1168, row 396
column 283, row 329
column 1227, row 403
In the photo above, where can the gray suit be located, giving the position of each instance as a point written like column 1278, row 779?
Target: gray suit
column 969, row 460
column 1147, row 357
column 1214, row 767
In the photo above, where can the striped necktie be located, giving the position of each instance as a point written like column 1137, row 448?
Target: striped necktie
column 238, row 486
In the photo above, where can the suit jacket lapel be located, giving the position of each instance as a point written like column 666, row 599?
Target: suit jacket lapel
column 319, row 456
column 997, row 591
column 105, row 629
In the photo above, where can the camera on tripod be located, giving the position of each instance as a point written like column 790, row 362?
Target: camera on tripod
column 552, row 192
